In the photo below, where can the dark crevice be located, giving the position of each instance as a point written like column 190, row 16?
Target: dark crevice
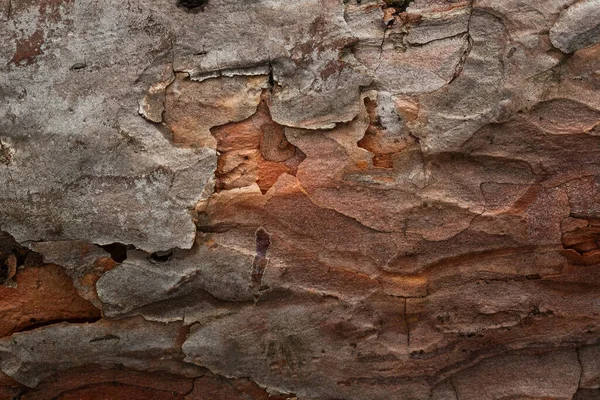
column 580, row 366
column 78, row 66
column 271, row 77
column 263, row 241
column 162, row 256
column 191, row 389
column 399, row 5
column 192, row 5
column 59, row 321
column 118, row 251
column 13, row 256
column 104, row 338
column 5, row 154
column 22, row 392
column 407, row 324
column 463, row 59
column 8, row 269
column 205, row 227
column 453, row 385
column 535, row 313
column 259, row 264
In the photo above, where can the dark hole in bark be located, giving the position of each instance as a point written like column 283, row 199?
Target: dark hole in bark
column 118, row 251
column 191, row 4
column 78, row 66
column 104, row 338
column 263, row 241
column 58, row 321
column 3, row 273
column 271, row 79
column 399, row 5
column 162, row 256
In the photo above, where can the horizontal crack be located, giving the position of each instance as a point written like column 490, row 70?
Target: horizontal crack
column 58, row 321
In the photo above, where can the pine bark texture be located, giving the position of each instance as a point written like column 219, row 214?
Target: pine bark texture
column 300, row 199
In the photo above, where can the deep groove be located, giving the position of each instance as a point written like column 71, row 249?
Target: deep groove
column 399, row 5
column 118, row 251
column 192, row 5
column 271, row 77
column 263, row 241
column 162, row 256
column 59, row 321
column 13, row 256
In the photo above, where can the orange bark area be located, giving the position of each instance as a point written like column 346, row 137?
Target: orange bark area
column 43, row 294
column 254, row 150
column 88, row 281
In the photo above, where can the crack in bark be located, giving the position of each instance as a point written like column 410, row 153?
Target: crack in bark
column 465, row 55
column 56, row 322
column 260, row 262
column 406, row 321
column 453, row 385
column 580, row 366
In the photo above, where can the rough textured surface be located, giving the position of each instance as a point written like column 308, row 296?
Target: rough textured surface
column 577, row 27
column 315, row 199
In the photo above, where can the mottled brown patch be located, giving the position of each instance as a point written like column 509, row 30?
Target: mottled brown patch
column 88, row 281
column 381, row 143
column 29, row 48
column 332, row 68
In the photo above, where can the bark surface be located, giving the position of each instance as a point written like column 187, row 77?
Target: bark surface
column 310, row 199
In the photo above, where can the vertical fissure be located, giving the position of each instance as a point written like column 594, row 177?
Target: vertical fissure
column 260, row 262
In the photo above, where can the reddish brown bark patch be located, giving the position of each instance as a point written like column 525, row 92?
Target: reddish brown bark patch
column 43, row 294
column 30, row 47
column 581, row 240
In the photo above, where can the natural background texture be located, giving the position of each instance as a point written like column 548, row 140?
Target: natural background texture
column 320, row 199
